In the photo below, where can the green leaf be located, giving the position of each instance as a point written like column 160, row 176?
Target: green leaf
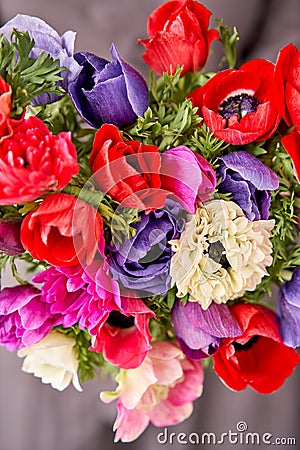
column 28, row 77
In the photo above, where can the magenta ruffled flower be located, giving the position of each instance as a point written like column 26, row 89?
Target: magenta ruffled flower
column 10, row 242
column 200, row 331
column 24, row 318
column 90, row 297
column 187, row 176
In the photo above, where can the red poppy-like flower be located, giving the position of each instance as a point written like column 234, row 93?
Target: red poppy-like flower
column 237, row 105
column 6, row 122
column 258, row 357
column 130, row 326
column 33, row 161
column 287, row 85
column 178, row 35
column 63, row 231
column 128, row 171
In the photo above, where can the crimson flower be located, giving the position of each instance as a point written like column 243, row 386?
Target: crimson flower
column 63, row 231
column 178, row 35
column 33, row 162
column 129, row 325
column 128, row 171
column 258, row 357
column 287, row 85
column 237, row 105
column 287, row 99
column 6, row 122
column 291, row 143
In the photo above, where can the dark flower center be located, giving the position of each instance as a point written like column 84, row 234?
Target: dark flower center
column 240, row 105
column 238, row 347
column 216, row 252
column 116, row 319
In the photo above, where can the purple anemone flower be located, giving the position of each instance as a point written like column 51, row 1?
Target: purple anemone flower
column 200, row 331
column 289, row 310
column 108, row 92
column 249, row 182
column 47, row 40
column 142, row 263
column 10, row 242
column 24, row 318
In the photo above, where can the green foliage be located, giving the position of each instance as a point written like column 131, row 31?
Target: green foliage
column 171, row 119
column 228, row 38
column 205, row 143
column 28, row 77
column 31, row 265
column 89, row 361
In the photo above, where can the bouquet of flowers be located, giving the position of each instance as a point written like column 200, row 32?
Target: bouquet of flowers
column 155, row 220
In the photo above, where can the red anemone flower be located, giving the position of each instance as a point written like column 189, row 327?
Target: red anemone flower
column 64, row 231
column 124, row 336
column 287, row 85
column 178, row 35
column 237, row 105
column 258, row 357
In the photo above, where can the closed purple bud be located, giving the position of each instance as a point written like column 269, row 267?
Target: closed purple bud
column 108, row 92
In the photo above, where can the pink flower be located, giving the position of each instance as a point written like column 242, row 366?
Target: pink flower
column 187, row 176
column 161, row 391
column 33, row 162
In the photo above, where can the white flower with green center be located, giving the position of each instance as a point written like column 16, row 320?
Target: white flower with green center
column 221, row 254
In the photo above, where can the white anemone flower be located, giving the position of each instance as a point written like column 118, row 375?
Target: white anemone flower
column 53, row 360
column 221, row 254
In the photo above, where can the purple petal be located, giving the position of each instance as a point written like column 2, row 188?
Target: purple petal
column 137, row 89
column 199, row 328
column 289, row 310
column 251, row 169
column 109, row 101
column 34, row 314
column 14, row 298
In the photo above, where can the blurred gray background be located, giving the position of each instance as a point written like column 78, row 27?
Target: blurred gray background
column 33, row 416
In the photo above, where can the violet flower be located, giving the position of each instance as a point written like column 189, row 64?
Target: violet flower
column 188, row 176
column 200, row 331
column 142, row 262
column 108, row 92
column 24, row 318
column 47, row 40
column 289, row 310
column 10, row 242
column 249, row 182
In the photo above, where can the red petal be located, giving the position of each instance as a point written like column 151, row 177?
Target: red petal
column 291, row 143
